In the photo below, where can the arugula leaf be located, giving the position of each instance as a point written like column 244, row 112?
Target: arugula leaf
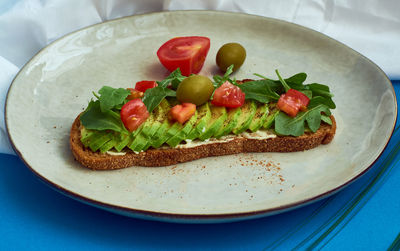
column 94, row 118
column 323, row 91
column 286, row 125
column 283, row 82
column 259, row 90
column 308, row 93
column 218, row 80
column 326, row 119
column 153, row 97
column 321, row 100
column 294, row 82
column 174, row 78
column 111, row 97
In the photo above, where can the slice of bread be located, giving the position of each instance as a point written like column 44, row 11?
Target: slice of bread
column 171, row 156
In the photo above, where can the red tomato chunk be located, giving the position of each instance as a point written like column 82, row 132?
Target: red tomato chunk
column 183, row 112
column 228, row 95
column 133, row 114
column 142, row 86
column 293, row 101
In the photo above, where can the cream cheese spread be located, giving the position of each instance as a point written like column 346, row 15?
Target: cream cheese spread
column 259, row 135
column 116, row 153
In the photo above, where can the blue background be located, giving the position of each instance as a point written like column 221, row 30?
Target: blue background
column 365, row 215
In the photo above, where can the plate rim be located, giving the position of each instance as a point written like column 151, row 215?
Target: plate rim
column 194, row 217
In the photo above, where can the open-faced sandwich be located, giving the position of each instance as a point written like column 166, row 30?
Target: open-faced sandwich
column 182, row 119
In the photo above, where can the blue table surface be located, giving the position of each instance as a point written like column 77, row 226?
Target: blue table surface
column 363, row 216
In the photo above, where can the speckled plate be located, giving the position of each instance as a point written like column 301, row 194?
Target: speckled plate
column 56, row 85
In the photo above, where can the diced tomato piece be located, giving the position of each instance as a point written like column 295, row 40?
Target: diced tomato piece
column 133, row 114
column 183, row 112
column 142, row 86
column 293, row 101
column 228, row 95
column 186, row 53
column 304, row 100
column 134, row 94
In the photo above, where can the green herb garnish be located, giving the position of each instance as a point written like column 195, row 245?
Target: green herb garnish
column 153, row 97
column 94, row 118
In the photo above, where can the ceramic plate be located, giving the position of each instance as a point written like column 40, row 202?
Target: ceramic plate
column 56, row 85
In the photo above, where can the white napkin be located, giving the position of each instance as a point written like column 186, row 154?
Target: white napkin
column 371, row 27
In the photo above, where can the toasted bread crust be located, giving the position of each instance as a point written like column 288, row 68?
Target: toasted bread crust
column 171, row 156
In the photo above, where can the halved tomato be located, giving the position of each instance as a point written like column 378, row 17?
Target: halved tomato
column 186, row 53
column 228, row 95
column 133, row 114
column 183, row 112
column 293, row 101
column 142, row 86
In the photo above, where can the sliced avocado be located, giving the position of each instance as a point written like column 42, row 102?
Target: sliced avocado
column 158, row 136
column 85, row 135
column 99, row 140
column 110, row 144
column 259, row 118
column 157, row 140
column 138, row 143
column 160, row 114
column 125, row 140
column 230, row 122
column 204, row 115
column 150, row 127
column 271, row 117
column 218, row 116
column 248, row 111
column 171, row 131
column 88, row 138
column 181, row 135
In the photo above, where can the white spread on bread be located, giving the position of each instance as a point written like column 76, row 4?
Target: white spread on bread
column 260, row 135
column 194, row 143
column 113, row 153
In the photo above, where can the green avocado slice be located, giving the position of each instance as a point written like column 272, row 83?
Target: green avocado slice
column 157, row 140
column 248, row 111
column 159, row 136
column 172, row 131
column 204, row 115
column 181, row 135
column 259, row 118
column 271, row 117
column 110, row 144
column 125, row 140
column 96, row 141
column 218, row 116
column 229, row 123
column 86, row 135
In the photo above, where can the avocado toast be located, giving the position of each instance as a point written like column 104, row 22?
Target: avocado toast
column 99, row 140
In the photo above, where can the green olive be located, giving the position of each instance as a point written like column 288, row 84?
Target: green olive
column 195, row 89
column 231, row 54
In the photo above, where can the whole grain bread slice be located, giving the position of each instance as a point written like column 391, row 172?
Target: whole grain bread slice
column 171, row 156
